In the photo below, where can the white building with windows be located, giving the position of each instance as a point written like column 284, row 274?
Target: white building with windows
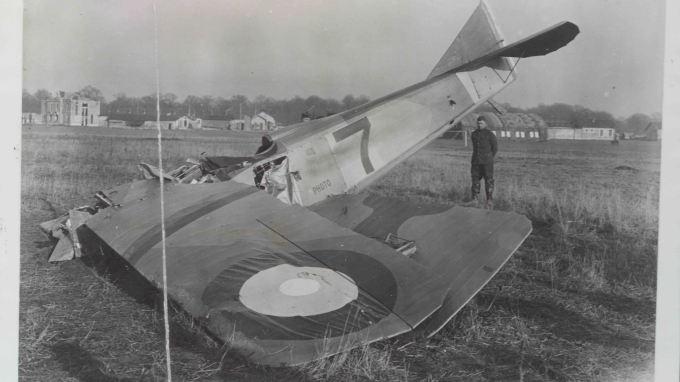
column 590, row 130
column 70, row 109
column 263, row 121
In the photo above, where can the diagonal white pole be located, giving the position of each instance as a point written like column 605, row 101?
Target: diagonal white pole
column 160, row 167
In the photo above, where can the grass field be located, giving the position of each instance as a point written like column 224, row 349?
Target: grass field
column 575, row 302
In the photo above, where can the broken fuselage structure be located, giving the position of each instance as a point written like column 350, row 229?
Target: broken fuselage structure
column 277, row 253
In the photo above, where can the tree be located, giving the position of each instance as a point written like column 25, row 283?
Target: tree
column 92, row 93
column 169, row 98
column 42, row 94
column 29, row 103
column 221, row 105
column 121, row 104
column 349, row 101
column 206, row 106
column 189, row 104
column 239, row 105
column 147, row 104
column 512, row 109
column 636, row 123
column 169, row 104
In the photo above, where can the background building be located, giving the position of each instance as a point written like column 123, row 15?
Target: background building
column 70, row 109
column 653, row 131
column 595, row 129
column 262, row 121
column 515, row 126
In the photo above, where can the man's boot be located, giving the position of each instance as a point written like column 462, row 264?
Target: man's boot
column 489, row 197
column 474, row 195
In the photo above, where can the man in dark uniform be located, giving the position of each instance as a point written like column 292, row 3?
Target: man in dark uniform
column 484, row 149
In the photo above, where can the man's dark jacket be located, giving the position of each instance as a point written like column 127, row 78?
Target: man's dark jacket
column 484, row 146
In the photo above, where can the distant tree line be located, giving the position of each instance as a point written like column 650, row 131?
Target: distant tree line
column 285, row 111
column 288, row 111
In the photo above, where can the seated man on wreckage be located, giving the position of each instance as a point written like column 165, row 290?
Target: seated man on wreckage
column 219, row 168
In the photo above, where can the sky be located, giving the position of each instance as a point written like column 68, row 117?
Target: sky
column 284, row 48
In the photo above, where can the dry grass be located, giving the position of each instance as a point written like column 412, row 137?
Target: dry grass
column 576, row 302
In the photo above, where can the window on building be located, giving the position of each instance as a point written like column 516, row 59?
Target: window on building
column 91, row 118
column 522, row 132
column 611, row 132
column 185, row 123
column 494, row 133
column 516, row 134
column 601, row 133
column 502, row 133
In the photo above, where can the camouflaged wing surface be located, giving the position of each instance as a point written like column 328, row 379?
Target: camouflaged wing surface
column 244, row 262
column 465, row 246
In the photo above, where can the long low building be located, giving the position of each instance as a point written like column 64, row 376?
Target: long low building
column 598, row 130
column 508, row 126
column 170, row 121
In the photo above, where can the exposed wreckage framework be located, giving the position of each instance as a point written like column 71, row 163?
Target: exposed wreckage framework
column 299, row 276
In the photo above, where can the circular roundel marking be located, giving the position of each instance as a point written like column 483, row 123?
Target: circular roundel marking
column 288, row 291
column 250, row 293
column 299, row 287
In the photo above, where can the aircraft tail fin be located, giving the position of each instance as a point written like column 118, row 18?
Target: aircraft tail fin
column 480, row 41
column 478, row 37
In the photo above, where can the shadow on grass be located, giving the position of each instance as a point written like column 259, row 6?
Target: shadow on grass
column 517, row 363
column 642, row 309
column 79, row 363
column 569, row 325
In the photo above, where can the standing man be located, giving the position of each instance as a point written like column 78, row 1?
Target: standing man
column 484, row 148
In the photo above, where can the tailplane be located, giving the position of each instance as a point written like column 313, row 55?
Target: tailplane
column 479, row 42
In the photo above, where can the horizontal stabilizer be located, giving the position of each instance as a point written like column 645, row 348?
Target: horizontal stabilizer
column 538, row 44
column 541, row 43
column 480, row 41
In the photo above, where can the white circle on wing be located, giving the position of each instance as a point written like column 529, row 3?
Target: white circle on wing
column 299, row 287
column 288, row 291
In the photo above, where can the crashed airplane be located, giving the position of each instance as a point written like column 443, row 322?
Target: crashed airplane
column 281, row 255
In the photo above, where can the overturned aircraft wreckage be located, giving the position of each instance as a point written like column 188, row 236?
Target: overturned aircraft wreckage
column 277, row 253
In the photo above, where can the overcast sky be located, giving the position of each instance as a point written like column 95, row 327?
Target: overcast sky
column 283, row 48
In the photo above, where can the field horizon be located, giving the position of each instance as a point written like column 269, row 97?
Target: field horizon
column 575, row 302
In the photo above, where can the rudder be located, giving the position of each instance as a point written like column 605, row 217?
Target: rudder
column 478, row 37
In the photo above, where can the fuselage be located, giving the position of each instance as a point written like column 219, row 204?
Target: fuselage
column 346, row 152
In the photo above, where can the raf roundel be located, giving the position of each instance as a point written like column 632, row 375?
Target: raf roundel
column 302, row 296
column 288, row 291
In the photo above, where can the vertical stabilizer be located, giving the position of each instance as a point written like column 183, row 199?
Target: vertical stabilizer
column 478, row 37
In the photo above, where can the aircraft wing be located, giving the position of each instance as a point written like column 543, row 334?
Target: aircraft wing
column 465, row 246
column 281, row 283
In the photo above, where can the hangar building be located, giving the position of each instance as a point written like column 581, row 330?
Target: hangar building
column 508, row 126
